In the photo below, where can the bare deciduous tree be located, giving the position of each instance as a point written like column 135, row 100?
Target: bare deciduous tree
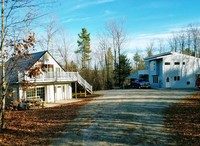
column 187, row 40
column 118, row 36
column 15, row 15
column 173, row 42
column 150, row 48
column 47, row 41
column 64, row 45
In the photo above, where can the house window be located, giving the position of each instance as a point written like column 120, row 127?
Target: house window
column 167, row 63
column 41, row 93
column 155, row 79
column 47, row 67
column 176, row 78
column 33, row 92
column 176, row 63
column 152, row 66
column 30, row 92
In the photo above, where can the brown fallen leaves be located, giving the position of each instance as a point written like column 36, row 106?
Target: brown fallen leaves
column 183, row 121
column 39, row 126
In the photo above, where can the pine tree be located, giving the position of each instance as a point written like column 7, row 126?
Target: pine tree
column 84, row 47
column 122, row 70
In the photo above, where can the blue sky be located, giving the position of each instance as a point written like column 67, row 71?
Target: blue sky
column 144, row 19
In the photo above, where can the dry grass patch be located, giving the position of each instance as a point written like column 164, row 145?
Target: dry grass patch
column 183, row 121
column 39, row 126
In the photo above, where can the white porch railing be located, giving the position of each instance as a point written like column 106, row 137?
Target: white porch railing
column 58, row 77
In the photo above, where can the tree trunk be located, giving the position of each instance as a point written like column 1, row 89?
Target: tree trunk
column 3, row 79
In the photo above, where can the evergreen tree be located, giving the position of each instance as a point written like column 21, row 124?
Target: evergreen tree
column 84, row 47
column 122, row 71
column 96, row 80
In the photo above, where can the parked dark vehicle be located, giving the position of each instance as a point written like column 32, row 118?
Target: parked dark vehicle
column 140, row 83
column 198, row 83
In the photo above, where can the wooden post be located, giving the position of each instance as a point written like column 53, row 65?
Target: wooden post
column 85, row 88
column 54, row 88
column 76, row 89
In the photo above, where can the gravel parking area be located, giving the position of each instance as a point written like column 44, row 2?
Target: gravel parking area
column 123, row 117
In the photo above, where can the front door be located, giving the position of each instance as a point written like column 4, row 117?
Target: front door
column 59, row 93
column 168, row 83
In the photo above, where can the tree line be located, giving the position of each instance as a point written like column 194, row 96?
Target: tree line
column 111, row 66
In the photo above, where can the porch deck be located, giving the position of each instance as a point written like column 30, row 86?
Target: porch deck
column 57, row 77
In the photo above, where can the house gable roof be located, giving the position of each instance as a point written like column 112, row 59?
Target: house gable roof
column 162, row 55
column 15, row 65
column 25, row 63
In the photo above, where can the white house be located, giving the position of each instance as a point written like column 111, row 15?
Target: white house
column 52, row 85
column 172, row 70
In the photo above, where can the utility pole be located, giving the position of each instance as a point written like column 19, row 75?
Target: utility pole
column 3, row 77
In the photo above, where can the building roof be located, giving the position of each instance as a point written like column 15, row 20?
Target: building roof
column 158, row 56
column 161, row 55
column 15, row 65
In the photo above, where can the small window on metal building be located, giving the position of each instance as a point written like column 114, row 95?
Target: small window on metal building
column 174, row 78
column 167, row 63
column 176, row 63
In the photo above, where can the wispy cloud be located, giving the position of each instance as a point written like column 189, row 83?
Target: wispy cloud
column 108, row 12
column 72, row 19
column 138, row 43
column 159, row 5
column 91, row 3
column 154, row 18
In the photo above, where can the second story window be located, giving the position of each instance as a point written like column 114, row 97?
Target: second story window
column 152, row 66
column 167, row 63
column 176, row 63
column 47, row 67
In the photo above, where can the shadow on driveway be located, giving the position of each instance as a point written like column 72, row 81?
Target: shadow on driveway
column 123, row 117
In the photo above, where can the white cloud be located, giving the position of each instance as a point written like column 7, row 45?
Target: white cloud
column 72, row 19
column 142, row 40
column 91, row 3
column 104, row 1
column 138, row 43
column 108, row 12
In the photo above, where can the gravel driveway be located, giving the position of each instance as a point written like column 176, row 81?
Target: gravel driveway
column 123, row 117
